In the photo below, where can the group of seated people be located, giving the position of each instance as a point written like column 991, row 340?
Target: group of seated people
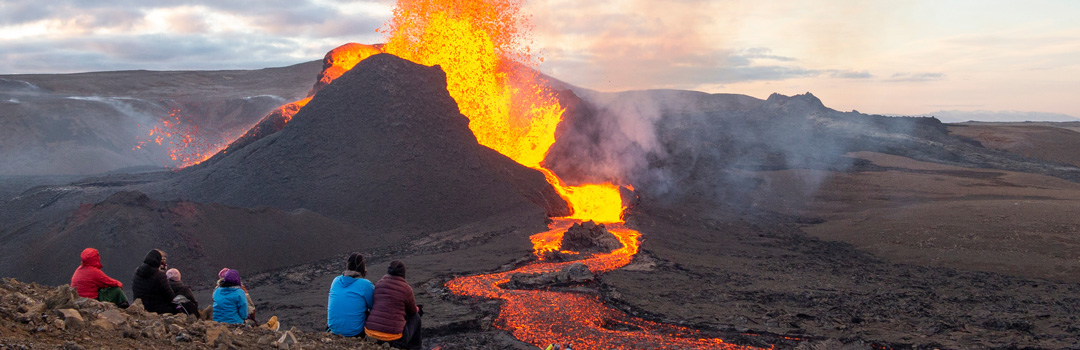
column 385, row 311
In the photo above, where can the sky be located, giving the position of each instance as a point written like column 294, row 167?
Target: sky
column 902, row 57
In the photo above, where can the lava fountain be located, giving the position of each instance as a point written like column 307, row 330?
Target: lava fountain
column 479, row 44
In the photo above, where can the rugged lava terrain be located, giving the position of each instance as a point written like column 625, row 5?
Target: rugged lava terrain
column 88, row 123
column 764, row 222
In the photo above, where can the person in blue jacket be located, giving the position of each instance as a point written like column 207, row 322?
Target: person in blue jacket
column 230, row 301
column 350, row 299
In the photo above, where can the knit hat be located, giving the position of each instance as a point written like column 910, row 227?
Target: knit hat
column 221, row 274
column 397, row 268
column 356, row 263
column 232, row 276
column 173, row 275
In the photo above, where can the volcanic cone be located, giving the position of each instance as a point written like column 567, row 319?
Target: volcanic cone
column 382, row 146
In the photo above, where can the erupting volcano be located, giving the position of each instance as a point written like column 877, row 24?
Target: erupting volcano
column 510, row 110
column 489, row 74
column 477, row 44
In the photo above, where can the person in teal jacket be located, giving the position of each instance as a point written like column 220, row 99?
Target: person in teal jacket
column 230, row 301
column 350, row 299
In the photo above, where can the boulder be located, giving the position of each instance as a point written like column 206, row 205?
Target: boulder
column 213, row 335
column 103, row 324
column 136, row 308
column 572, row 274
column 71, row 318
column 113, row 316
column 589, row 237
column 63, row 297
column 287, row 340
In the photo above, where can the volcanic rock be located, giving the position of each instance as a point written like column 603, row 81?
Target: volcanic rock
column 71, row 318
column 589, row 237
column 63, row 297
column 64, row 327
column 89, row 123
column 383, row 146
column 571, row 274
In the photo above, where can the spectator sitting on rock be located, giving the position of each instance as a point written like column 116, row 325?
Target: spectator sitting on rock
column 189, row 305
column 90, row 282
column 152, row 286
column 395, row 317
column 350, row 299
column 230, row 300
column 251, row 304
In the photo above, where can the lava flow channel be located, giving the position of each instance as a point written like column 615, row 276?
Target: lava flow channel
column 541, row 317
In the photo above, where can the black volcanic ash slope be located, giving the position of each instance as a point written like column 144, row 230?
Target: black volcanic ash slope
column 200, row 238
column 384, row 146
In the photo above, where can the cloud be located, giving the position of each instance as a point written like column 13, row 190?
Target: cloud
column 915, row 77
column 847, row 74
column 639, row 44
column 69, row 36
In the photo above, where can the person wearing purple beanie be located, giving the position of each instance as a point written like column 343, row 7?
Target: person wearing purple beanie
column 230, row 300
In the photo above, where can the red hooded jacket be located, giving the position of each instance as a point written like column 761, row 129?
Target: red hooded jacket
column 89, row 278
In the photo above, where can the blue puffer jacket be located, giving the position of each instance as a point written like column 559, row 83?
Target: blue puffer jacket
column 230, row 305
column 350, row 298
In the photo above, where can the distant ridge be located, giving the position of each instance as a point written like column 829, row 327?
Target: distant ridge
column 955, row 116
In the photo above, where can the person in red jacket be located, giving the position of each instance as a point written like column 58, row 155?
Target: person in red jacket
column 395, row 317
column 90, row 282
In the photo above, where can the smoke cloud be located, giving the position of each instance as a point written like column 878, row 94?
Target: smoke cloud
column 675, row 146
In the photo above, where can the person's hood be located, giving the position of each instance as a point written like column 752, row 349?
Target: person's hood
column 150, row 264
column 90, row 257
column 349, row 277
column 153, row 258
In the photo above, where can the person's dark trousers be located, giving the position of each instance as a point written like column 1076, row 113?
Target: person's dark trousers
column 410, row 336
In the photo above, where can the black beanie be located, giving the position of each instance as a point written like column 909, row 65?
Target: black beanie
column 356, row 263
column 397, row 268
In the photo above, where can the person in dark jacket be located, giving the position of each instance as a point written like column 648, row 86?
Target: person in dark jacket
column 394, row 317
column 188, row 304
column 350, row 299
column 90, row 282
column 230, row 301
column 152, row 286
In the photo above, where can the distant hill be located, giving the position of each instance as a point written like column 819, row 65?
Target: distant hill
column 999, row 116
column 90, row 123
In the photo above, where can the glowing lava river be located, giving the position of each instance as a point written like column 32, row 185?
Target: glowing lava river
column 542, row 317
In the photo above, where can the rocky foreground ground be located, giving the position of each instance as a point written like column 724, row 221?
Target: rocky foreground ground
column 33, row 316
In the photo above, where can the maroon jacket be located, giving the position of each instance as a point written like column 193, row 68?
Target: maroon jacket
column 393, row 301
column 89, row 278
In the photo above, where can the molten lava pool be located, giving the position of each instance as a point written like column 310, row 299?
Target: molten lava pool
column 541, row 317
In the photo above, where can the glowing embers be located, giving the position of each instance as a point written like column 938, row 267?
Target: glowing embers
column 289, row 110
column 187, row 143
column 542, row 317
